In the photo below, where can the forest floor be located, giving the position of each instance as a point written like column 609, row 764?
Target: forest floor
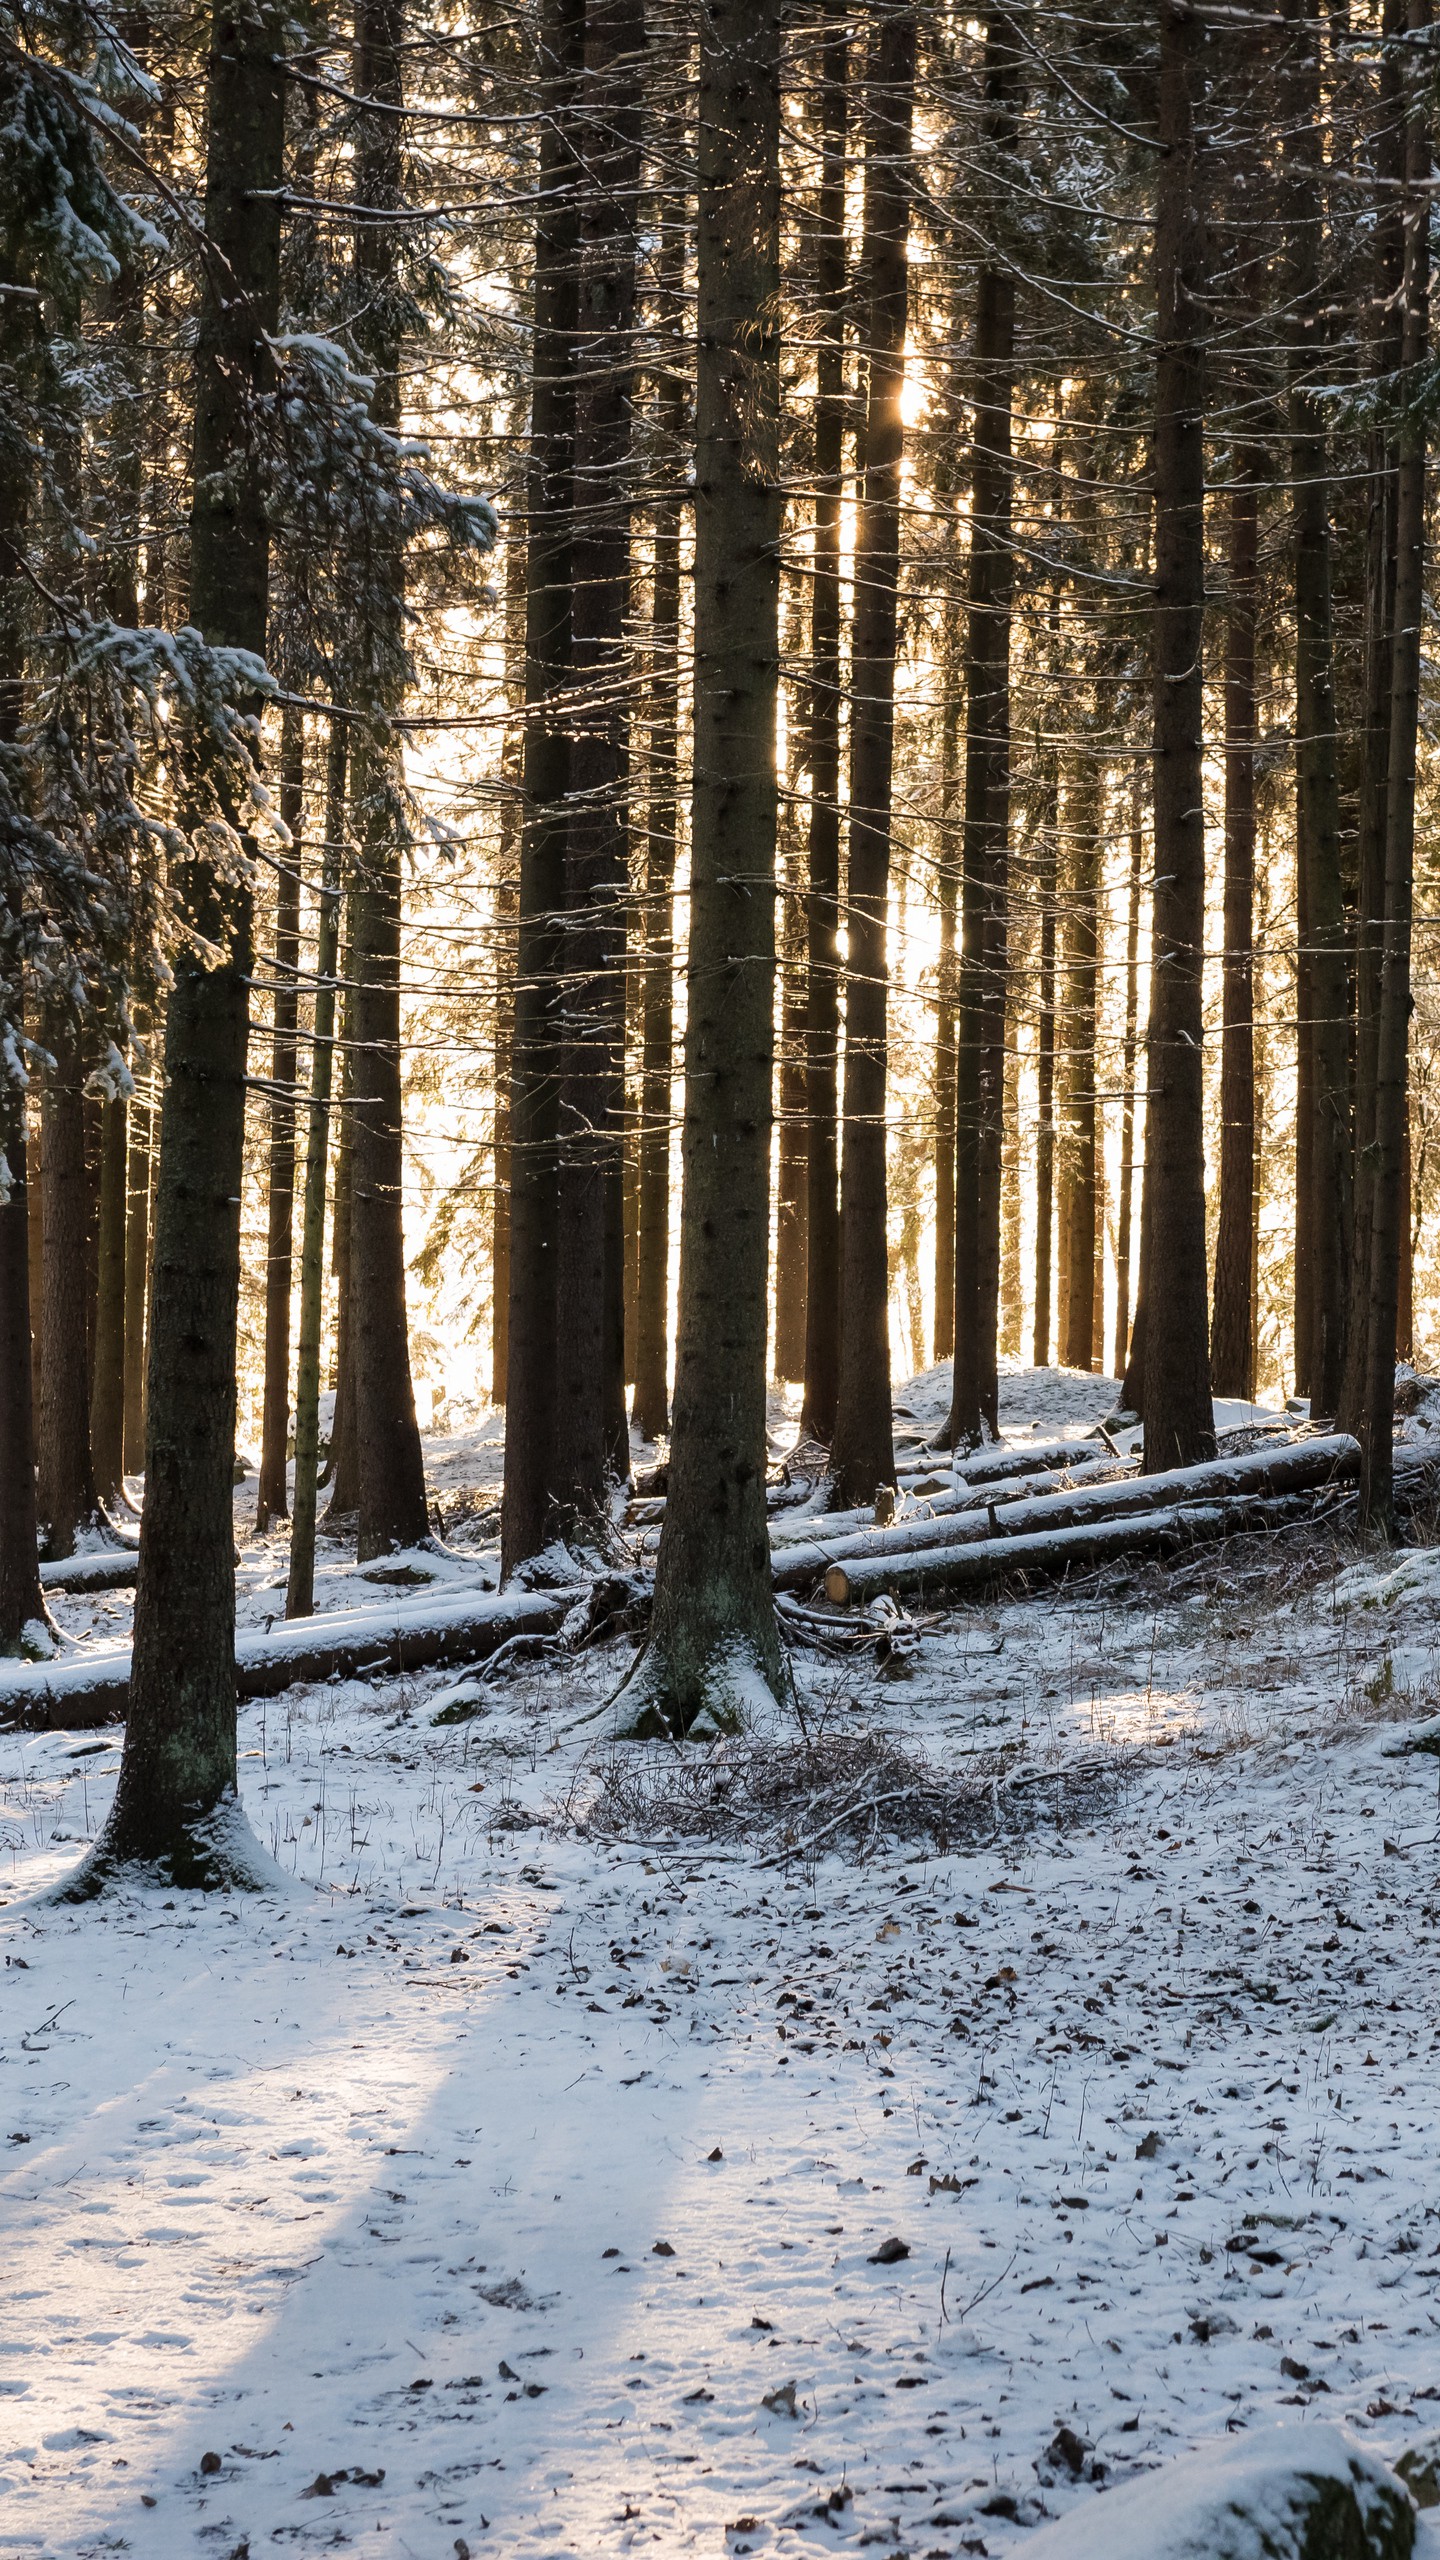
column 587, row 2150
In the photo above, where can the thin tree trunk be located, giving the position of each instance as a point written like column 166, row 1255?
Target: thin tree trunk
column 1125, row 1211
column 862, row 1454
column 271, row 1501
column 589, row 1360
column 713, row 1638
column 342, row 1465
column 945, row 991
column 1079, row 1219
column 300, row 1585
column 65, row 1494
column 175, row 1805
column 107, row 1380
column 1389, row 1207
column 1326, row 1014
column 392, row 1509
column 1179, row 1426
column 792, row 1146
column 822, row 1172
column 534, row 1092
column 137, row 1277
column 1232, row 1350
column 1046, row 885
column 652, row 1307
column 979, row 1076
column 507, row 909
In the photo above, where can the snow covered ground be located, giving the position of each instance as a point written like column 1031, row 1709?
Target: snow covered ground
column 521, row 2182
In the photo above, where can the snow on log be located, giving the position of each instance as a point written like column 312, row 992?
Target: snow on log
column 1016, row 1483
column 1296, row 1468
column 108, row 1569
column 941, row 1572
column 92, row 1690
column 1308, row 2491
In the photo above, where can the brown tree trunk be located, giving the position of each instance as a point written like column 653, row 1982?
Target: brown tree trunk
column 342, row 1466
column 107, row 1379
column 1179, row 1426
column 589, row 1359
column 1079, row 1220
column 65, row 1495
column 272, row 1497
column 1232, row 1351
column 534, row 1090
column 1124, row 1211
column 1389, row 1206
column 945, row 991
column 979, row 1072
column 507, row 909
column 862, row 1455
column 822, row 1184
column 1046, row 828
column 791, row 1136
column 175, row 1809
column 1326, row 1009
column 24, row 1619
column 713, row 1638
column 137, row 1276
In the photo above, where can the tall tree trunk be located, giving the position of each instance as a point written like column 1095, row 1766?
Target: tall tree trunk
column 791, row 1136
column 1124, row 1211
column 534, row 1091
column 342, row 1465
column 1179, row 1426
column 1388, row 302
column 1388, row 1205
column 300, row 1583
column 107, row 1376
column 137, row 1274
column 175, row 1806
column 1078, row 1215
column 1325, row 1018
column 1046, row 830
column 392, row 1509
column 822, row 1170
column 588, row 1356
column 662, row 826
column 272, row 1501
column 507, row 909
column 979, row 1075
column 1232, row 1351
column 862, row 1454
column 945, row 992
column 65, row 1494
column 713, row 1638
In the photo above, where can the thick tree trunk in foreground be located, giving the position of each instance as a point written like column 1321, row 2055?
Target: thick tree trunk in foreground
column 1179, row 1427
column 1232, row 1350
column 822, row 1029
column 862, row 1453
column 300, row 1583
column 392, row 1510
column 589, row 1359
column 175, row 1806
column 65, row 1495
column 1389, row 1207
column 272, row 1502
column 107, row 1381
column 534, row 1091
column 979, row 1074
column 714, row 1649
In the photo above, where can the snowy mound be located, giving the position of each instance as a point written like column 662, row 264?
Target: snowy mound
column 1290, row 2493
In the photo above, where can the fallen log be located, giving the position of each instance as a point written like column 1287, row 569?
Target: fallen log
column 994, row 1485
column 1297, row 1468
column 942, row 1573
column 108, row 1569
column 75, row 1694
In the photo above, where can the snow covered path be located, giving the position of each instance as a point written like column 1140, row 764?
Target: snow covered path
column 398, row 2194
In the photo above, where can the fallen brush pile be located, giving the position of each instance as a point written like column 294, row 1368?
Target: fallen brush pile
column 835, row 1790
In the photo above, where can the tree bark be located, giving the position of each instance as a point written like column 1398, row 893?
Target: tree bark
column 175, row 1807
column 862, row 1455
column 1325, row 1017
column 65, row 1494
column 1388, row 1205
column 713, row 1643
column 791, row 1137
column 589, row 1359
column 507, row 909
column 272, row 1496
column 1232, row 1351
column 137, row 1277
column 1179, row 1427
column 107, row 1381
column 342, row 1465
column 392, row 1509
column 822, row 1167
column 534, row 1092
column 1078, row 1211
column 1125, row 1211
column 300, row 1582
column 945, row 992
column 979, row 1073
column 1046, row 887
column 23, row 1614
